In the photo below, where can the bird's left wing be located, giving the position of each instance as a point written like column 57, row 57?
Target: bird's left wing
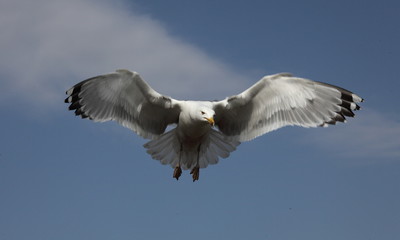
column 125, row 97
column 280, row 100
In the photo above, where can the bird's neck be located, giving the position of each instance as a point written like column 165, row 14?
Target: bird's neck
column 190, row 129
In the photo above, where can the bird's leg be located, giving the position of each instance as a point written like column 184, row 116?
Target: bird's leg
column 178, row 169
column 195, row 173
column 177, row 172
column 196, row 170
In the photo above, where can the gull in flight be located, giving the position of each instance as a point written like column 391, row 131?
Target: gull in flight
column 208, row 130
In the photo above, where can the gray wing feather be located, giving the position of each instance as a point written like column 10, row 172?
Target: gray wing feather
column 124, row 97
column 280, row 100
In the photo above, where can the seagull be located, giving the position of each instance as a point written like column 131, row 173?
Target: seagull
column 208, row 130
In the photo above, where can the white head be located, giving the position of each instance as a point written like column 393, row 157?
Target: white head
column 195, row 113
column 206, row 114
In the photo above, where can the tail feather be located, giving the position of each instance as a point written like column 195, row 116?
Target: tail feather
column 216, row 146
column 166, row 149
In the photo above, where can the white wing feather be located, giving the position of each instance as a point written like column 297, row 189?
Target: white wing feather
column 124, row 97
column 280, row 100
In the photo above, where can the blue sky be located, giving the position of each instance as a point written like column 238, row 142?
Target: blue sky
column 66, row 178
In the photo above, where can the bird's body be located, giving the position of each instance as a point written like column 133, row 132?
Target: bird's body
column 193, row 144
column 273, row 102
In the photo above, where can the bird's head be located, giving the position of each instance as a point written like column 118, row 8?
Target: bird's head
column 206, row 114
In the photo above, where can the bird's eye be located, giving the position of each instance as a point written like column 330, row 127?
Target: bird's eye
column 202, row 113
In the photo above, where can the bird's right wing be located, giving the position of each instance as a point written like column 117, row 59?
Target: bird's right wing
column 125, row 97
column 280, row 100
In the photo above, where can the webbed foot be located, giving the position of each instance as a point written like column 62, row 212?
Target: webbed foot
column 195, row 173
column 177, row 172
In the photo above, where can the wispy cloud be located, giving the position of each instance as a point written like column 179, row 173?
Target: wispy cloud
column 370, row 138
column 48, row 45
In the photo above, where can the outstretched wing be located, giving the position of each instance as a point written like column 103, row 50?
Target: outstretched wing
column 124, row 97
column 280, row 100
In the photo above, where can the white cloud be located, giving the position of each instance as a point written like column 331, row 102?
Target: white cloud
column 372, row 137
column 48, row 45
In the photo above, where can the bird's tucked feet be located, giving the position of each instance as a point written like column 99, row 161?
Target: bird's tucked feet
column 177, row 172
column 195, row 173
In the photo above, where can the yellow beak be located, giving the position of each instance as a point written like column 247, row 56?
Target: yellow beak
column 210, row 121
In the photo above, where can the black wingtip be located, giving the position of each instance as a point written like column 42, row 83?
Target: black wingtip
column 74, row 100
column 347, row 105
column 347, row 112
